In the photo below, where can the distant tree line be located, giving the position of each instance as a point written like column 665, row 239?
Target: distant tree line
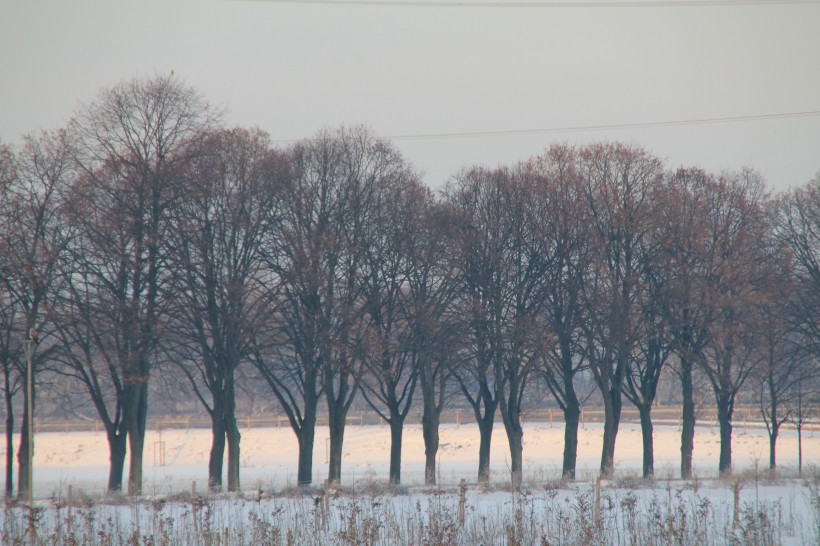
column 146, row 236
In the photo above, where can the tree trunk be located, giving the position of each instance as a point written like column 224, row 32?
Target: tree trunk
column 136, row 406
column 336, row 425
column 773, row 445
column 775, row 427
column 725, row 420
column 516, row 441
column 645, row 412
column 117, row 449
column 396, row 430
column 23, row 484
column 799, row 445
column 430, row 419
column 234, row 437
column 429, row 430
column 687, row 435
column 572, row 416
column 485, row 430
column 612, row 418
column 217, row 448
column 9, row 436
column 306, row 435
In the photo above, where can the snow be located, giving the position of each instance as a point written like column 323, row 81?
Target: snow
column 269, row 455
column 629, row 510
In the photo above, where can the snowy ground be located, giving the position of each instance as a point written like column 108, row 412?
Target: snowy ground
column 749, row 509
column 269, row 456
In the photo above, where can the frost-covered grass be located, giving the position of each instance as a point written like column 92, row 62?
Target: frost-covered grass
column 744, row 510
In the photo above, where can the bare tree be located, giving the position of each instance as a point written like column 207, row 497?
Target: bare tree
column 135, row 139
column 33, row 242
column 318, row 256
column 216, row 238
column 434, row 335
column 502, row 266
column 797, row 228
column 738, row 280
column 619, row 185
column 685, row 300
column 390, row 361
column 562, row 225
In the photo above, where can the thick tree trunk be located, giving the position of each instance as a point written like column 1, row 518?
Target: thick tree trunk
column 572, row 416
column 430, row 419
column 687, row 435
column 511, row 417
column 336, row 427
column 117, row 442
column 485, row 430
column 645, row 412
column 612, row 419
column 516, row 441
column 396, row 430
column 136, row 406
column 429, row 430
column 234, row 437
column 773, row 446
column 217, row 448
column 9, row 437
column 725, row 420
column 306, row 435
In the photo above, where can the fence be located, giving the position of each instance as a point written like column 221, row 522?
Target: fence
column 745, row 417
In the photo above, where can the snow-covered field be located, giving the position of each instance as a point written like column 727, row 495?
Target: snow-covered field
column 751, row 508
column 269, row 456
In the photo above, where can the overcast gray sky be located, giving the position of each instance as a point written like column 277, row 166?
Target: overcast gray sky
column 292, row 68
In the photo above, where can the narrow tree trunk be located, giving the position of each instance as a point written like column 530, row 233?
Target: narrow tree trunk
column 117, row 441
column 9, row 437
column 645, row 412
column 687, row 435
column 774, row 425
column 485, row 430
column 725, row 421
column 799, row 445
column 612, row 418
column 396, row 430
column 23, row 484
column 217, row 456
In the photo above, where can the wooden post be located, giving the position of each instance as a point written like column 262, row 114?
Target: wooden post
column 597, row 508
column 462, row 501
column 68, row 508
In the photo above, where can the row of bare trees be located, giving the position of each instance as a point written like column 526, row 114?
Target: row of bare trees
column 146, row 236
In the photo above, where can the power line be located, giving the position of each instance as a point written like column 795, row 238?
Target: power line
column 547, row 4
column 611, row 127
column 584, row 128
